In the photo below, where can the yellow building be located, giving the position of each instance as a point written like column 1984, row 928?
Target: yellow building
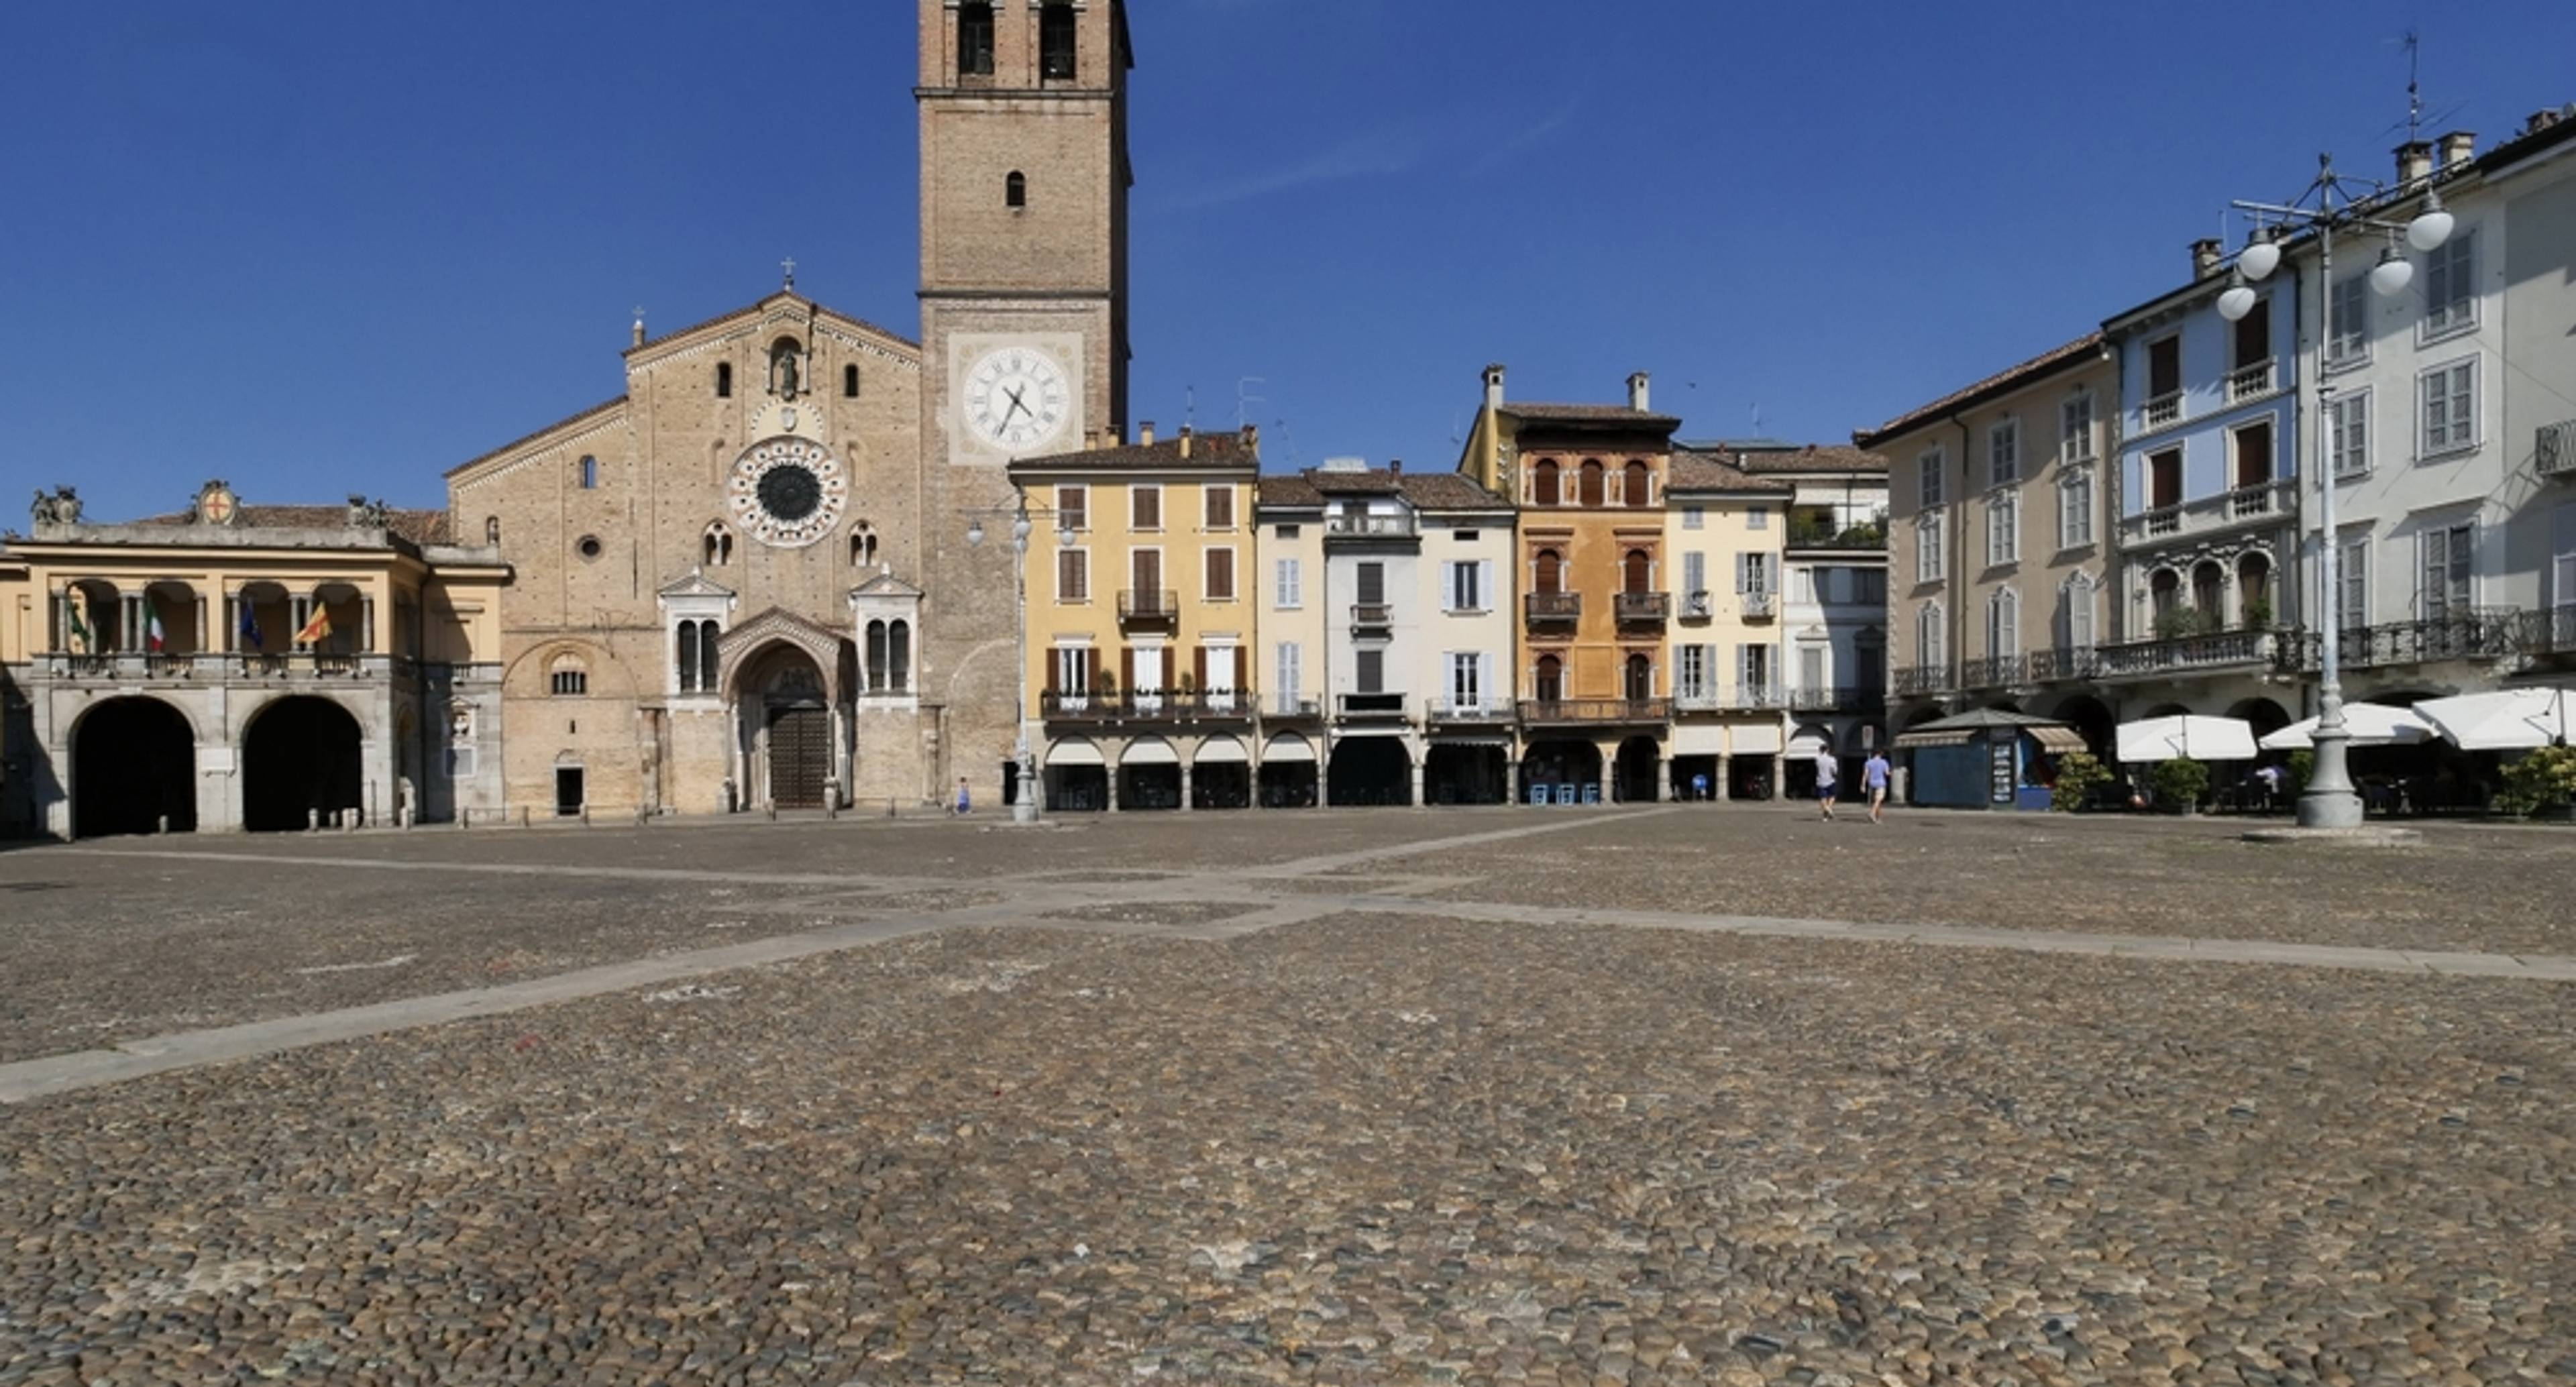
column 236, row 666
column 1594, row 673
column 1137, row 675
column 1727, row 528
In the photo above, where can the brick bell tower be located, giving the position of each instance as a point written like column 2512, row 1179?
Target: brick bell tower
column 1024, row 179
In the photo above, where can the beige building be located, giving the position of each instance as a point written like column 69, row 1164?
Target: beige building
column 236, row 666
column 1999, row 543
column 1725, row 528
column 1141, row 622
column 745, row 581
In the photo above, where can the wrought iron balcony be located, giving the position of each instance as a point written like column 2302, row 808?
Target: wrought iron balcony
column 1915, row 680
column 1553, row 607
column 1643, row 606
column 1371, row 707
column 1993, row 672
column 1233, row 705
column 1838, row 700
column 1147, row 606
column 2478, row 635
column 2246, row 382
column 1595, row 711
column 1756, row 698
column 1475, row 710
column 1290, row 709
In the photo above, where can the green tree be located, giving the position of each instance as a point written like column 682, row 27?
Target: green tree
column 2079, row 775
column 2179, row 783
column 2544, row 778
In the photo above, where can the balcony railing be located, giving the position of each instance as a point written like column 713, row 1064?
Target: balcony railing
column 1643, row 606
column 1229, row 705
column 1372, row 615
column 1697, row 607
column 1357, row 526
column 2551, row 631
column 2081, row 662
column 2222, row 650
column 216, row 666
column 1761, row 606
column 1994, row 672
column 1553, row 606
column 1371, row 707
column 1809, row 534
column 2246, row 382
column 1470, row 710
column 1289, row 708
column 1912, row 680
column 2163, row 410
column 1843, row 700
column 1596, row 710
column 2481, row 635
column 1149, row 605
column 2553, row 449
column 2262, row 501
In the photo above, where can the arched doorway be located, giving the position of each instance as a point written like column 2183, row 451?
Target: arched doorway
column 1287, row 772
column 2091, row 718
column 134, row 762
column 1640, row 766
column 1637, row 572
column 1149, row 775
column 2265, row 716
column 1461, row 773
column 1638, row 678
column 788, row 719
column 1370, row 770
column 1547, row 572
column 1547, row 683
column 1221, row 775
column 300, row 755
column 1565, row 771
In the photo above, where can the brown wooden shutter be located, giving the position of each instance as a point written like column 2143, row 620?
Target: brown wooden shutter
column 1198, row 668
column 1127, row 669
column 1242, row 681
column 1091, row 670
column 1051, row 663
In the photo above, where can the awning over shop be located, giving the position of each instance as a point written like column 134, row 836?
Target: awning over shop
column 1288, row 746
column 1975, row 725
column 1221, row 751
column 1076, row 751
column 1956, row 736
column 2057, row 741
column 1152, row 751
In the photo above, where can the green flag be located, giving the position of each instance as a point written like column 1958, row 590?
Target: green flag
column 80, row 629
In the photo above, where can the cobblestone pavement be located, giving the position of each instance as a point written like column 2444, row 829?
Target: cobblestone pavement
column 1157, row 1103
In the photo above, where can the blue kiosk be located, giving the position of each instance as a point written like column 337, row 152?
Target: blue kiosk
column 1985, row 759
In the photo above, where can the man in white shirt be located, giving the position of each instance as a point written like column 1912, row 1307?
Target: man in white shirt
column 1826, row 770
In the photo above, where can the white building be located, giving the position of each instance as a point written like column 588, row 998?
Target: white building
column 1389, row 621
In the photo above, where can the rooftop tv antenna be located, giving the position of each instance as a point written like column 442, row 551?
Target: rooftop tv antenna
column 1244, row 400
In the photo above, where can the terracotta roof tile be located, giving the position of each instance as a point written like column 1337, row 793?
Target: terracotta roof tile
column 1215, row 451
column 1815, row 457
column 1591, row 414
column 1697, row 472
column 1287, row 489
column 416, row 526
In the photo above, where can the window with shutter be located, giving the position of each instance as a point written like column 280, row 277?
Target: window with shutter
column 1073, row 575
column 2445, row 586
column 1220, row 575
column 1147, row 566
column 1220, row 506
column 1289, row 678
column 1694, row 574
column 1372, row 584
column 1291, row 585
column 1073, row 507
column 2450, row 283
column 2352, row 575
column 1145, row 508
column 1368, row 670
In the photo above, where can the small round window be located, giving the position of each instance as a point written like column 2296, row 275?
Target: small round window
column 589, row 546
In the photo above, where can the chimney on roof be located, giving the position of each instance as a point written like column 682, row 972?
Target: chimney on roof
column 2540, row 120
column 2414, row 160
column 1395, row 467
column 1637, row 391
column 1145, row 434
column 2458, row 148
column 636, row 337
column 2204, row 257
column 1185, row 442
column 1494, row 386
column 1252, row 440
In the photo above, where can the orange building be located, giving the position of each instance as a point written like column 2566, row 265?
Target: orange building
column 1593, row 654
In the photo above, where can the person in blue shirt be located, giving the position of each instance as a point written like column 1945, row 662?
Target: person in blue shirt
column 1873, row 777
column 963, row 803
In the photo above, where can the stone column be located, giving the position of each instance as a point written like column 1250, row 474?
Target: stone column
column 202, row 644
column 1725, row 788
column 1663, row 777
column 1609, row 772
column 1109, row 794
column 1185, row 787
column 297, row 614
column 1418, row 772
column 367, row 625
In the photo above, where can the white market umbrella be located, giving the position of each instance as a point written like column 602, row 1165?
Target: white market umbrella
column 2500, row 719
column 2187, row 735
column 2371, row 724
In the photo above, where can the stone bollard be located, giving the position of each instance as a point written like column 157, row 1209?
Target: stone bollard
column 464, row 818
column 832, row 809
column 523, row 816
column 350, row 819
column 312, row 820
column 772, row 807
column 889, row 806
column 162, row 824
column 402, row 818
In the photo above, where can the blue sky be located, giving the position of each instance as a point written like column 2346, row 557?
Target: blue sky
column 321, row 248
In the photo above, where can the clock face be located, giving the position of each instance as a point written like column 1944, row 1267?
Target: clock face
column 787, row 492
column 1017, row 399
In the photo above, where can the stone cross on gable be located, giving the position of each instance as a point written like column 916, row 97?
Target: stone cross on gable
column 787, row 267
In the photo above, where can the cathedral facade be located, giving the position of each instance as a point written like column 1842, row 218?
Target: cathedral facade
column 747, row 581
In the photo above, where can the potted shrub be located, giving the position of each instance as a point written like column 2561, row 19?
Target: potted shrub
column 2179, row 784
column 2080, row 775
column 2540, row 782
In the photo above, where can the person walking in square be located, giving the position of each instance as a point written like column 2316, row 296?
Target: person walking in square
column 1873, row 778
column 963, row 802
column 1826, row 770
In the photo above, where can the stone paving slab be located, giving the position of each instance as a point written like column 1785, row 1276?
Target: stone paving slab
column 1376, row 1148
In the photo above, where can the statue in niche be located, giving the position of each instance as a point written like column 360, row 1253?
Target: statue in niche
column 784, row 369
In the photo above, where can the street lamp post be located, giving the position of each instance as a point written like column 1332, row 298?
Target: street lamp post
column 2329, row 801
column 1024, row 805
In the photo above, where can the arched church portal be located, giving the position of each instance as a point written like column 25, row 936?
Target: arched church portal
column 787, row 729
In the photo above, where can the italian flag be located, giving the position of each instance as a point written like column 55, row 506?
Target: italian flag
column 152, row 636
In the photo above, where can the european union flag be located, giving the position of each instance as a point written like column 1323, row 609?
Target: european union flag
column 249, row 625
